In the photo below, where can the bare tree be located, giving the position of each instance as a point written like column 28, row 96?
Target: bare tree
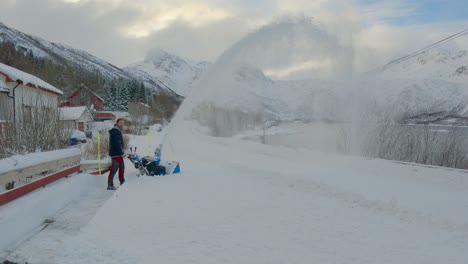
column 224, row 122
column 37, row 128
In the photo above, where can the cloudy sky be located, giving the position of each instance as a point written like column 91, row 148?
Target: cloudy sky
column 122, row 31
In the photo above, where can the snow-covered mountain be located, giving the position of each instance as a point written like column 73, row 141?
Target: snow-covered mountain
column 441, row 63
column 78, row 59
column 417, row 100
column 59, row 53
column 169, row 71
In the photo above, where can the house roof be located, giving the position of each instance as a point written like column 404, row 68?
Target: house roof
column 143, row 104
column 72, row 113
column 27, row 78
column 95, row 94
column 78, row 90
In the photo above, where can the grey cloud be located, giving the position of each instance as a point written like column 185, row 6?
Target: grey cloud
column 200, row 43
column 77, row 26
column 97, row 30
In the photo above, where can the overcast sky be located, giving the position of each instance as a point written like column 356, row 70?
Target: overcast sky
column 122, row 31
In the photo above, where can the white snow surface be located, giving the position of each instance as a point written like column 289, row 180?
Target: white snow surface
column 27, row 78
column 23, row 161
column 80, row 135
column 68, row 203
column 72, row 113
column 239, row 201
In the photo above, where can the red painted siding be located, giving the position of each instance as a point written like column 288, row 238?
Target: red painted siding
column 81, row 126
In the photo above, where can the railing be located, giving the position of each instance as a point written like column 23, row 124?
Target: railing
column 29, row 176
column 43, row 168
column 92, row 166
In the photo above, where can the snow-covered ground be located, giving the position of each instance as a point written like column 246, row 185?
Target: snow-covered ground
column 239, row 201
column 48, row 216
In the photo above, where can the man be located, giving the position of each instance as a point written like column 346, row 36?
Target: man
column 116, row 153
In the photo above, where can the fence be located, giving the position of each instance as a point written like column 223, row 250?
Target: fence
column 22, row 180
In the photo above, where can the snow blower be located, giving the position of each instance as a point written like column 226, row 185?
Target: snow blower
column 153, row 166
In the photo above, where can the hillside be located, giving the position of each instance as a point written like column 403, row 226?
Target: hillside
column 168, row 71
column 67, row 68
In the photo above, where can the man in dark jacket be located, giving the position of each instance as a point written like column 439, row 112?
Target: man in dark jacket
column 116, row 153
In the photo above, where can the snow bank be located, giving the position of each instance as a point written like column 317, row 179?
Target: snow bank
column 80, row 135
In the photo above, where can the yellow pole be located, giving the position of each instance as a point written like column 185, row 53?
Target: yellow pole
column 99, row 151
column 171, row 154
column 149, row 141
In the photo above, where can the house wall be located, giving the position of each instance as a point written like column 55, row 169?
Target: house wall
column 87, row 120
column 70, row 124
column 98, row 104
column 137, row 109
column 27, row 98
column 6, row 118
column 101, row 116
column 75, row 100
column 6, row 108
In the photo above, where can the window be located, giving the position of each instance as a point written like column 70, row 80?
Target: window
column 27, row 112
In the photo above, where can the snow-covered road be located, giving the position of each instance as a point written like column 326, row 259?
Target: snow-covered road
column 243, row 202
column 36, row 225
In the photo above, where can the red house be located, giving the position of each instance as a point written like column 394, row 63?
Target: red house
column 83, row 96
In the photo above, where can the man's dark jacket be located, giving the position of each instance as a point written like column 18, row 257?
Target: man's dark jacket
column 115, row 142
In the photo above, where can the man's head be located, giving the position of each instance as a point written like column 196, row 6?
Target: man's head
column 120, row 123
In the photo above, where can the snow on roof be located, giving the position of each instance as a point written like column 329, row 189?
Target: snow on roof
column 72, row 113
column 16, row 74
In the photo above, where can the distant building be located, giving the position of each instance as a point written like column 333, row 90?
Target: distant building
column 140, row 115
column 138, row 109
column 110, row 115
column 76, row 118
column 83, row 96
column 21, row 93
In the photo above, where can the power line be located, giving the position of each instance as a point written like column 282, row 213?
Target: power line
column 414, row 54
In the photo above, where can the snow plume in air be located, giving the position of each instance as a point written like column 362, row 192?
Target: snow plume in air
column 241, row 91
